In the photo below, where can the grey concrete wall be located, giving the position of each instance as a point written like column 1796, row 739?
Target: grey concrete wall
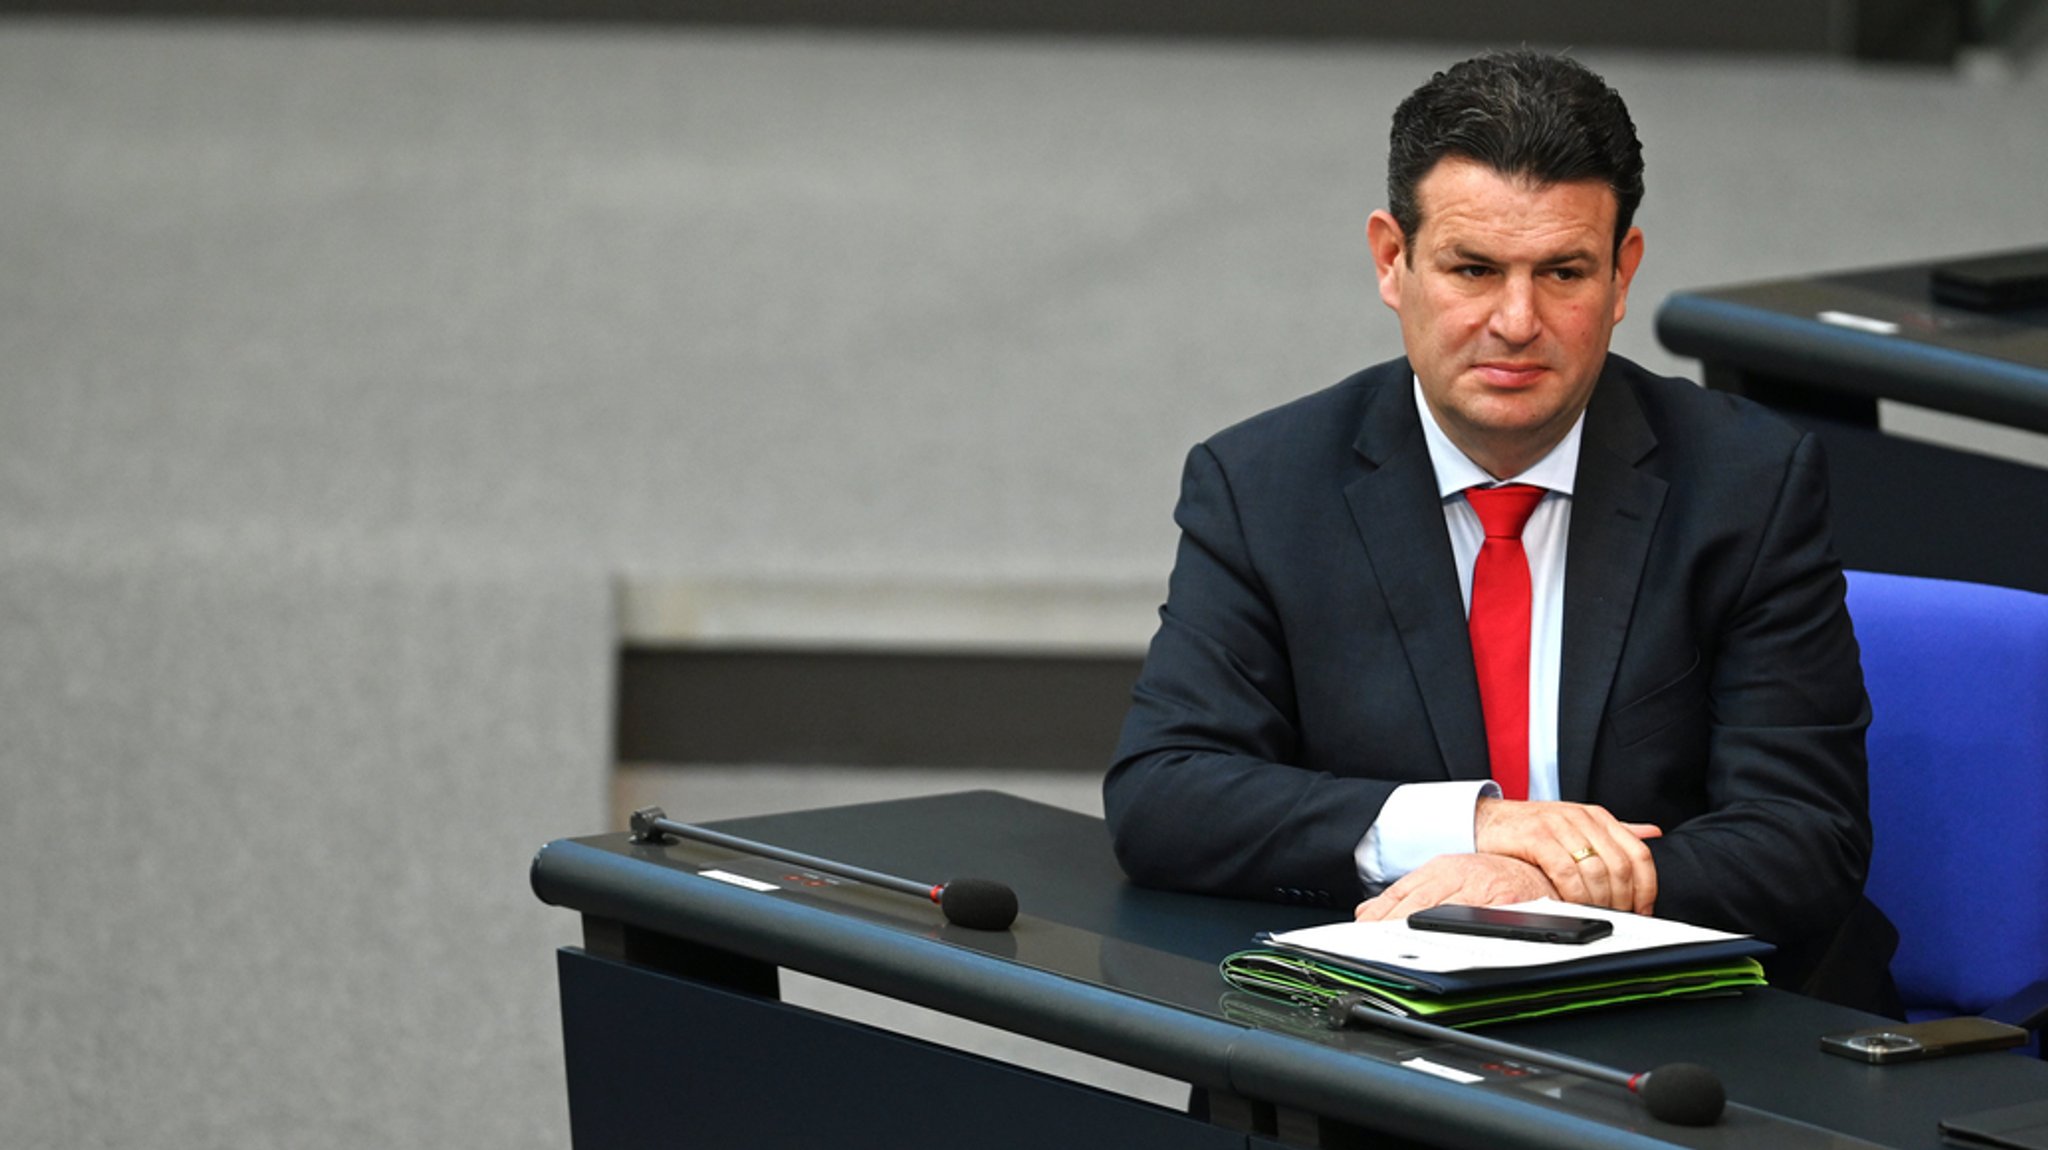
column 345, row 368
column 263, row 846
column 822, row 307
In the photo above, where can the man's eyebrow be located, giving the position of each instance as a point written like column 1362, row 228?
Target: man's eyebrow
column 1464, row 254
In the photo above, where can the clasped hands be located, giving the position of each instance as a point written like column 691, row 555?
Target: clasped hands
column 1525, row 850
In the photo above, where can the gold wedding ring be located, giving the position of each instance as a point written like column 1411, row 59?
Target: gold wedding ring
column 1584, row 853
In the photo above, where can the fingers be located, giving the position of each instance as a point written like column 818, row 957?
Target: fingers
column 1571, row 858
column 1405, row 898
column 1635, row 882
column 1412, row 892
column 1587, row 854
column 1472, row 879
column 1379, row 907
column 1641, row 893
column 1611, row 861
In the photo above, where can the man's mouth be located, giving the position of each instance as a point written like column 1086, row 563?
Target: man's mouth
column 1510, row 373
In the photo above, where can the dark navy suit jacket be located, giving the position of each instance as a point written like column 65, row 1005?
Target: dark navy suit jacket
column 1312, row 655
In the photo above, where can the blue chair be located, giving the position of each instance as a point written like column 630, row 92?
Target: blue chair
column 1958, row 680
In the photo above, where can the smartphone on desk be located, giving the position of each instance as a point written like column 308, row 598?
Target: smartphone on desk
column 1496, row 922
column 1910, row 1041
column 1993, row 283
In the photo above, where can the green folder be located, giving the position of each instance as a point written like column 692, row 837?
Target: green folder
column 1295, row 977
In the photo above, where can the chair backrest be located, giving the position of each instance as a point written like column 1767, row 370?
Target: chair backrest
column 1958, row 680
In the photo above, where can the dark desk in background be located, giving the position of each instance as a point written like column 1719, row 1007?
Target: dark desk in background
column 1824, row 350
column 674, row 1035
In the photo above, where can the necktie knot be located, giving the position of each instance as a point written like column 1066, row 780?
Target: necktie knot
column 1504, row 510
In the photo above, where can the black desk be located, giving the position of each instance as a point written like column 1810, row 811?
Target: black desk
column 1824, row 350
column 674, row 1036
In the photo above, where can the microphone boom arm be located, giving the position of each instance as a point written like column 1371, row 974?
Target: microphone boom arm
column 650, row 824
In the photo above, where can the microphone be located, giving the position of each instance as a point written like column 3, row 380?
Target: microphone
column 1681, row 1093
column 975, row 903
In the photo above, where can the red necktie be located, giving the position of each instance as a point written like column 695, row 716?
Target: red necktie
column 1499, row 622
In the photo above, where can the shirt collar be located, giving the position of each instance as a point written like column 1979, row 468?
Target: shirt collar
column 1455, row 471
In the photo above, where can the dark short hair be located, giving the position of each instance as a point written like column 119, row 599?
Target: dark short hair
column 1522, row 113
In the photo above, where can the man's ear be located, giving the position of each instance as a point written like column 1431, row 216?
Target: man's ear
column 1389, row 255
column 1626, row 259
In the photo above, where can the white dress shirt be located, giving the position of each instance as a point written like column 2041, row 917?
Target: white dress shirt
column 1423, row 820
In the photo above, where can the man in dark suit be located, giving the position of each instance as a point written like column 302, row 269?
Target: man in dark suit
column 1685, row 736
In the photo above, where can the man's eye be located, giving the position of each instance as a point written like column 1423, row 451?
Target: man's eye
column 1567, row 275
column 1471, row 271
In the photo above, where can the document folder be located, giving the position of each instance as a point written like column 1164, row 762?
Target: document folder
column 1460, row 981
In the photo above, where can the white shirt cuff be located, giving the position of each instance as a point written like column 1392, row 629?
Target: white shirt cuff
column 1419, row 822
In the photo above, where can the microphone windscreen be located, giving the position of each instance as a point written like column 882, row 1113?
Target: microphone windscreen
column 1684, row 1094
column 978, row 904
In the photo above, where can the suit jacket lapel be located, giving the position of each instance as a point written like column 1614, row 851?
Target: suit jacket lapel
column 1615, row 506
column 1400, row 520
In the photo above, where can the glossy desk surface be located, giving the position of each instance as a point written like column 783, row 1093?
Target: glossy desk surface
column 1102, row 966
column 1875, row 334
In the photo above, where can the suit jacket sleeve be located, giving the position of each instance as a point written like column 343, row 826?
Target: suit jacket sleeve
column 1204, row 793
column 1783, row 839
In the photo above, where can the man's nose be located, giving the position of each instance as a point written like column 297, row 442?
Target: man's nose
column 1514, row 314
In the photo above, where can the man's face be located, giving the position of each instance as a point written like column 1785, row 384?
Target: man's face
column 1507, row 296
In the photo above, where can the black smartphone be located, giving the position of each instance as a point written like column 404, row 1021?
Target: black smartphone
column 1910, row 1041
column 1494, row 922
column 1993, row 283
